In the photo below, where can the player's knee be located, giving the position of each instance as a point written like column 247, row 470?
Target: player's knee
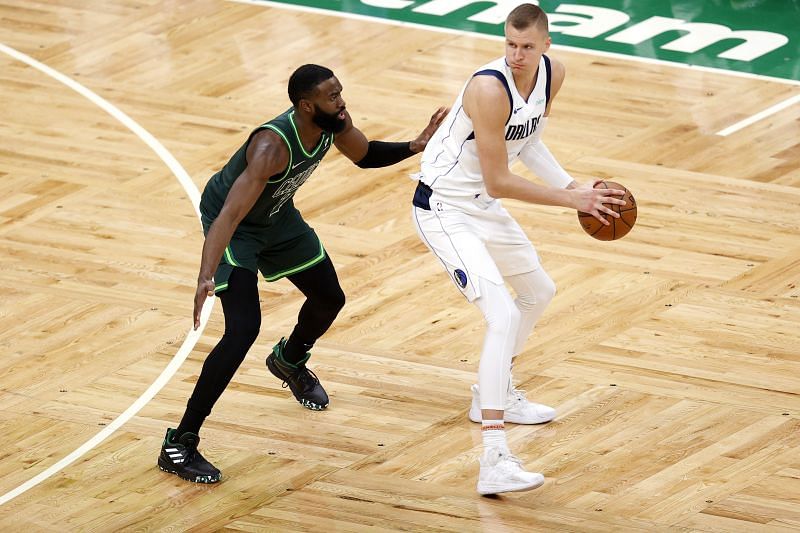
column 505, row 321
column 332, row 303
column 542, row 293
column 250, row 334
column 337, row 300
column 245, row 330
column 546, row 290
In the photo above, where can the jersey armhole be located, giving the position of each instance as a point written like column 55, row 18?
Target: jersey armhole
column 549, row 72
column 497, row 74
column 272, row 179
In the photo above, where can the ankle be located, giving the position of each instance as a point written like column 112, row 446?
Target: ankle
column 296, row 351
column 493, row 434
column 288, row 356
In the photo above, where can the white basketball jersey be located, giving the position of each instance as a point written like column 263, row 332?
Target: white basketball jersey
column 450, row 163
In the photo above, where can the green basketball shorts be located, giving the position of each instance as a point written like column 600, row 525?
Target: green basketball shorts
column 274, row 260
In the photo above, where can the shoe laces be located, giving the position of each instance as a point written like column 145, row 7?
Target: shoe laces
column 511, row 458
column 507, row 461
column 518, row 395
column 303, row 375
column 191, row 452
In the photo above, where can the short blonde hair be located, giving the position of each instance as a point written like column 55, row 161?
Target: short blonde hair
column 526, row 15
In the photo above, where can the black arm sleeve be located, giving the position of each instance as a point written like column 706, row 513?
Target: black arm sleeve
column 383, row 154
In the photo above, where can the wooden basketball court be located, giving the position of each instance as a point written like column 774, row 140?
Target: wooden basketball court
column 672, row 355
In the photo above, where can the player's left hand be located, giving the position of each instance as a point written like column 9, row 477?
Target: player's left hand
column 205, row 289
column 587, row 199
column 419, row 144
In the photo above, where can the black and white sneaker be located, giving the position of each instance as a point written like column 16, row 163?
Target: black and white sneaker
column 303, row 383
column 182, row 459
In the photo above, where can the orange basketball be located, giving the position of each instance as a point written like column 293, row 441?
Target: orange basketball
column 619, row 227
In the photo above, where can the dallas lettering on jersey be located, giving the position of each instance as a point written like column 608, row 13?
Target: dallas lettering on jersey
column 290, row 186
column 520, row 131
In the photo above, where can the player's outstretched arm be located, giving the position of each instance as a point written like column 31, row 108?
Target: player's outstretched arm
column 419, row 144
column 374, row 154
column 266, row 156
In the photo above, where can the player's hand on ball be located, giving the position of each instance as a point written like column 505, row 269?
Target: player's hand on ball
column 205, row 288
column 624, row 212
column 590, row 200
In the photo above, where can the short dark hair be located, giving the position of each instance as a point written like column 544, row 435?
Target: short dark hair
column 526, row 15
column 303, row 81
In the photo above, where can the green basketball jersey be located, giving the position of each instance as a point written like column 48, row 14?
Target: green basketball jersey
column 276, row 201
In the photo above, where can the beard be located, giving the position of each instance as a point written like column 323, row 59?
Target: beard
column 328, row 122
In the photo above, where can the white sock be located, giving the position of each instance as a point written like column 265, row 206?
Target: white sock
column 494, row 434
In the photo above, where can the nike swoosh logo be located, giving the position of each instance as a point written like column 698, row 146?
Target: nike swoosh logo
column 517, row 109
column 297, row 165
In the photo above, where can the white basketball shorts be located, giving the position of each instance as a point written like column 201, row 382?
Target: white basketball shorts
column 476, row 237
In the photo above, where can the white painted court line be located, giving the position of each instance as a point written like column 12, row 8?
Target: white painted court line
column 191, row 338
column 585, row 51
column 759, row 116
column 575, row 49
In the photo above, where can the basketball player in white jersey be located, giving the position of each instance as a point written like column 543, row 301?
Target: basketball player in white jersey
column 498, row 118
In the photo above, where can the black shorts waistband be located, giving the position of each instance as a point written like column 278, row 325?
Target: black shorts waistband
column 422, row 196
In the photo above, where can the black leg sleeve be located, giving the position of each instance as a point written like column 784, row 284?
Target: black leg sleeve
column 324, row 300
column 242, row 322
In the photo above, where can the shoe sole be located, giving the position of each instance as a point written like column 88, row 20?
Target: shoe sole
column 512, row 420
column 488, row 489
column 206, row 480
column 311, row 405
column 305, row 403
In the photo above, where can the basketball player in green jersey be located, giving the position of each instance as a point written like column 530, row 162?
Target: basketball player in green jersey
column 252, row 225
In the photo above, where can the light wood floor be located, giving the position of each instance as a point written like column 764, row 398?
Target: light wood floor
column 672, row 355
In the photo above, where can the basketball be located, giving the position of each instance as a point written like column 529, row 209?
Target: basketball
column 619, row 227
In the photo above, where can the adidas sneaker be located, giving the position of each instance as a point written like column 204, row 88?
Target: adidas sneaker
column 182, row 459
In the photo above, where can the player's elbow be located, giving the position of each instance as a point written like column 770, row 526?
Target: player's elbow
column 494, row 191
column 496, row 186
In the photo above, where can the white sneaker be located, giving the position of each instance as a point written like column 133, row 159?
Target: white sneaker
column 518, row 409
column 502, row 472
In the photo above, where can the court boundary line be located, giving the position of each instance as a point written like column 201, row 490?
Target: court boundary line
column 464, row 33
column 759, row 116
column 194, row 195
column 586, row 51
column 191, row 338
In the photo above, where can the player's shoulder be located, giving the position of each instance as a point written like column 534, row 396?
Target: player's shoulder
column 267, row 147
column 486, row 97
column 266, row 138
column 486, row 86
